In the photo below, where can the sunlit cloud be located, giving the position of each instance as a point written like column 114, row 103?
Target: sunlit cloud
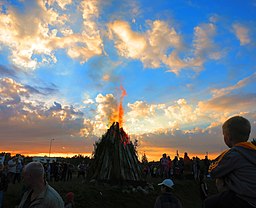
column 239, row 84
column 32, row 37
column 150, row 46
column 242, row 33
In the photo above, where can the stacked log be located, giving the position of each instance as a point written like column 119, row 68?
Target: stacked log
column 115, row 159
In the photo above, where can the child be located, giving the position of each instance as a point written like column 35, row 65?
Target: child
column 167, row 199
column 235, row 169
column 70, row 200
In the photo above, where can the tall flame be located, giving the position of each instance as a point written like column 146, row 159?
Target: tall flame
column 120, row 108
column 118, row 115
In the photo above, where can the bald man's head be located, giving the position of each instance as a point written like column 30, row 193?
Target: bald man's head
column 35, row 168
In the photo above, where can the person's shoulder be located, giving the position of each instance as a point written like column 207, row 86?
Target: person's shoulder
column 170, row 199
column 53, row 195
column 51, row 191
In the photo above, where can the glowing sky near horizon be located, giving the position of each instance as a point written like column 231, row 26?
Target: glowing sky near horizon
column 186, row 67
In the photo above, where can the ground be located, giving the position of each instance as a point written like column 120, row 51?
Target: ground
column 104, row 196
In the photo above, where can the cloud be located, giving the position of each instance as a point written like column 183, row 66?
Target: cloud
column 140, row 110
column 107, row 108
column 162, row 44
column 25, row 121
column 233, row 103
column 4, row 71
column 33, row 36
column 181, row 112
column 242, row 33
column 143, row 117
column 150, row 46
column 203, row 48
column 34, row 118
column 240, row 84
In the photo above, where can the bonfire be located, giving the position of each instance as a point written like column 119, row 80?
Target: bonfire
column 115, row 159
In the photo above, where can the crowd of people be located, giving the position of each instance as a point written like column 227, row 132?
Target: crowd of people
column 179, row 167
column 35, row 176
column 234, row 171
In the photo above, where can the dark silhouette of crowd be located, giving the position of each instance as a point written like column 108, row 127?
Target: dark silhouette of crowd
column 179, row 167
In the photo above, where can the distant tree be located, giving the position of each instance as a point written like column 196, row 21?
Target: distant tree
column 144, row 159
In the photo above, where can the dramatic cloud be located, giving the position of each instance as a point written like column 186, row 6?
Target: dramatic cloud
column 33, row 36
column 150, row 46
column 33, row 120
column 161, row 44
column 107, row 109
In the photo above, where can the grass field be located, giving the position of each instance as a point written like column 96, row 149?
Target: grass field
column 104, row 196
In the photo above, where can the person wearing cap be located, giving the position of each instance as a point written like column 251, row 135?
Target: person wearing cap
column 39, row 193
column 167, row 199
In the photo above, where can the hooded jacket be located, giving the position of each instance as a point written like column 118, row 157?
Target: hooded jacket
column 237, row 168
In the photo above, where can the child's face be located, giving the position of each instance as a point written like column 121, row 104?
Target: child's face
column 227, row 139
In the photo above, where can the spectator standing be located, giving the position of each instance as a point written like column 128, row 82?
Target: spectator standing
column 19, row 168
column 206, row 165
column 164, row 166
column 203, row 188
column 82, row 170
column 3, row 184
column 187, row 164
column 71, row 168
column 12, row 163
column 39, row 193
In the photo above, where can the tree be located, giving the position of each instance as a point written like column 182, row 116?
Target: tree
column 144, row 159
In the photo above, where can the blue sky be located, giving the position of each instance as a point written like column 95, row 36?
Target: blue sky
column 186, row 67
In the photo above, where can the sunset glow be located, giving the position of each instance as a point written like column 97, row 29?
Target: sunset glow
column 170, row 72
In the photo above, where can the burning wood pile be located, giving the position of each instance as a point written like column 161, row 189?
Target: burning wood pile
column 115, row 158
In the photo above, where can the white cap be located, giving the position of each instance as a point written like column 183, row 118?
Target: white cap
column 167, row 182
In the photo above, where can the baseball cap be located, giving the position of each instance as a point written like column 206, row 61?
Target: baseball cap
column 167, row 182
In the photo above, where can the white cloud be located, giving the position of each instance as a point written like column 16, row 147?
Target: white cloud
column 238, row 85
column 161, row 44
column 150, row 46
column 107, row 108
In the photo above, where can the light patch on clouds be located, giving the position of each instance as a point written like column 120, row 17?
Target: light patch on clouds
column 107, row 109
column 181, row 112
column 140, row 109
column 150, row 46
column 242, row 33
column 161, row 44
column 33, row 36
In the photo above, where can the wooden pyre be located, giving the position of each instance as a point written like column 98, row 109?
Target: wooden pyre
column 115, row 159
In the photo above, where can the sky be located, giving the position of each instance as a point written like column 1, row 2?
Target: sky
column 178, row 68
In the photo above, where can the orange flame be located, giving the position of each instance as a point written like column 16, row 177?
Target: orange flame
column 118, row 115
column 120, row 108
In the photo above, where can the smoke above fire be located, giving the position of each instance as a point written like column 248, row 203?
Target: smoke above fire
column 118, row 114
